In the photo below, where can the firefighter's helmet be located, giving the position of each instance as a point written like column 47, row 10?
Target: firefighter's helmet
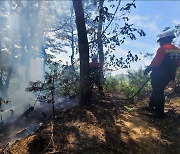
column 169, row 34
column 94, row 56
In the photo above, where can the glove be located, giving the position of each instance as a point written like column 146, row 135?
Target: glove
column 147, row 70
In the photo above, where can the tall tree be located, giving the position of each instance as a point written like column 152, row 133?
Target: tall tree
column 109, row 29
column 99, row 33
column 84, row 54
column 7, row 53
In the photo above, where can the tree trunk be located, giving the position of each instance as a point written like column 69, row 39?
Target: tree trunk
column 5, row 93
column 85, row 99
column 99, row 34
column 1, row 82
column 1, row 69
column 4, row 85
column 10, row 70
column 0, row 49
column 27, row 68
column 44, row 60
column 8, row 79
column 72, row 42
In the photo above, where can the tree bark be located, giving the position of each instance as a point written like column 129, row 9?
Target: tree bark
column 44, row 60
column 99, row 34
column 4, row 85
column 72, row 42
column 85, row 99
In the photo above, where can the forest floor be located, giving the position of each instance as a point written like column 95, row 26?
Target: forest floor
column 109, row 126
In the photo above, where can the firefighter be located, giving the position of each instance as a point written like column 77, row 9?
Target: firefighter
column 163, row 67
column 96, row 74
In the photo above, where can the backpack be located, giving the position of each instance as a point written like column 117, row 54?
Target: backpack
column 170, row 64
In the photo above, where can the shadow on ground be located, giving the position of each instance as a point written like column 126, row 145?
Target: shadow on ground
column 105, row 127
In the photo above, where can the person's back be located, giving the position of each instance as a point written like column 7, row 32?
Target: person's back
column 167, row 68
column 96, row 74
column 163, row 67
column 95, row 68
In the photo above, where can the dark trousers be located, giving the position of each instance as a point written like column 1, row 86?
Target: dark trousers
column 96, row 80
column 159, row 81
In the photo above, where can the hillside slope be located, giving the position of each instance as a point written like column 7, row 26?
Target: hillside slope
column 107, row 127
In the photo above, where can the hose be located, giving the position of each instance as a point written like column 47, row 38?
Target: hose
column 137, row 91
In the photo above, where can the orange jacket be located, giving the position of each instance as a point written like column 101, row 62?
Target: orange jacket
column 161, row 53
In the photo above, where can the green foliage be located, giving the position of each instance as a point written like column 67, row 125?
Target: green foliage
column 128, row 90
column 47, row 87
column 129, row 84
column 114, row 33
column 69, row 81
column 60, row 80
column 137, row 79
column 112, row 84
column 129, row 109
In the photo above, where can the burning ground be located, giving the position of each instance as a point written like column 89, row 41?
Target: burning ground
column 106, row 127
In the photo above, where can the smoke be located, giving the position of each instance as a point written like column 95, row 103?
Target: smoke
column 23, row 27
column 20, row 101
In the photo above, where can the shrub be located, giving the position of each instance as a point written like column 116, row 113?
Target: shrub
column 129, row 84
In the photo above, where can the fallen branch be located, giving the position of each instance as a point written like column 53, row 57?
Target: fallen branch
column 25, row 114
column 2, row 151
column 51, row 140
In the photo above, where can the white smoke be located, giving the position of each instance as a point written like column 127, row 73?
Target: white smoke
column 31, row 24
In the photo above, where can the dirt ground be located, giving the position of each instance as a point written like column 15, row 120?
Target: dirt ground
column 109, row 126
